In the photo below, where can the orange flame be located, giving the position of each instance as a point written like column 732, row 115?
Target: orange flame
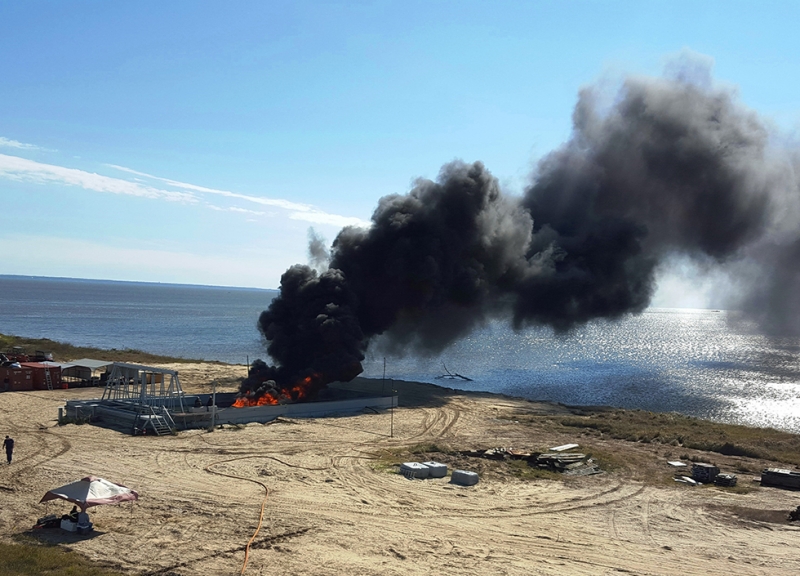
column 297, row 392
column 247, row 401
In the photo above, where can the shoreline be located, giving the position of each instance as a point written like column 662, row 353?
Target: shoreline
column 71, row 352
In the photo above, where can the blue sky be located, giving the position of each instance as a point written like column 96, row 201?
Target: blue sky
column 197, row 142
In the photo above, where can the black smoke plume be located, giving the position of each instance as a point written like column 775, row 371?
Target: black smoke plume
column 312, row 332
column 672, row 167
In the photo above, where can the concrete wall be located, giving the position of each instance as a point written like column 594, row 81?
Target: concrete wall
column 302, row 410
column 116, row 415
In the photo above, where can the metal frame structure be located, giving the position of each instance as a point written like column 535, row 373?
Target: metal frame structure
column 145, row 386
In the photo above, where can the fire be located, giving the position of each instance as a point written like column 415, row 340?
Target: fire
column 297, row 392
column 264, row 400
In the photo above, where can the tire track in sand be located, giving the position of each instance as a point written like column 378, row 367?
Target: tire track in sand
column 437, row 423
column 47, row 446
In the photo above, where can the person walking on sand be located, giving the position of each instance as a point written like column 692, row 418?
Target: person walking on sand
column 8, row 444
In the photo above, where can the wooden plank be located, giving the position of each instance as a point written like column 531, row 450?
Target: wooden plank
column 564, row 447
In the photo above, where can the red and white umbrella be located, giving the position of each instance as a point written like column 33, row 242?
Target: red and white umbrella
column 91, row 491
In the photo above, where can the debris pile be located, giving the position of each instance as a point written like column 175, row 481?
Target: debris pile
column 728, row 480
column 573, row 463
column 501, row 453
column 704, row 473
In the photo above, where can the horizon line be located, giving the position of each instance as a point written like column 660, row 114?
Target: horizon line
column 151, row 282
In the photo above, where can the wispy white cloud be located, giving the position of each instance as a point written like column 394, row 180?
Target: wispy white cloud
column 8, row 143
column 24, row 170
column 296, row 210
column 236, row 209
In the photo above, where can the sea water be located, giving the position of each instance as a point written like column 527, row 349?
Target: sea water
column 694, row 362
column 198, row 322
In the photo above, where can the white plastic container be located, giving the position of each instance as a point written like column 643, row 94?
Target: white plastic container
column 414, row 470
column 464, row 477
column 437, row 470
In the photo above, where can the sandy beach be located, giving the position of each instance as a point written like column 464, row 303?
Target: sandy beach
column 334, row 506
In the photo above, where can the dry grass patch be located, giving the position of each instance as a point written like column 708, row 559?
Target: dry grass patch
column 65, row 352
column 28, row 557
column 389, row 459
column 683, row 431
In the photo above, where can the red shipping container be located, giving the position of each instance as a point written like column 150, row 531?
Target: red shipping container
column 38, row 376
column 15, row 379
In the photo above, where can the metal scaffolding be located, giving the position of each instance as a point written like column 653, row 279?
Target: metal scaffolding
column 145, row 386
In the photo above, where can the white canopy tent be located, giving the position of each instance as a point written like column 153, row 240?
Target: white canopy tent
column 84, row 369
column 91, row 491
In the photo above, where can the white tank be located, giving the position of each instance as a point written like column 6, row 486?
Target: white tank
column 464, row 478
column 414, row 470
column 437, row 470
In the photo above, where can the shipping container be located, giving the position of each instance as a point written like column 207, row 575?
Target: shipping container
column 16, row 378
column 39, row 375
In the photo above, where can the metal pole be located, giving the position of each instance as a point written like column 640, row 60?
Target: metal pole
column 213, row 404
column 391, row 408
